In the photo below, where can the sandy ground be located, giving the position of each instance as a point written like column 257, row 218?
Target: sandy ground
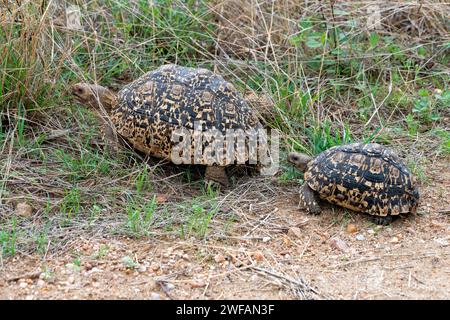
column 302, row 257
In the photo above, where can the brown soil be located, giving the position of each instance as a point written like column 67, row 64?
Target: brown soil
column 293, row 259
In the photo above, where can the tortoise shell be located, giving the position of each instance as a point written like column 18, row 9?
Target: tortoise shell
column 367, row 178
column 172, row 97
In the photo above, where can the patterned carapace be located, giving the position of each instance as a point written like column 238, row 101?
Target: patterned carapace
column 174, row 97
column 363, row 177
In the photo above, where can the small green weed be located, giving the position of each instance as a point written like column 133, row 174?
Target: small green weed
column 140, row 217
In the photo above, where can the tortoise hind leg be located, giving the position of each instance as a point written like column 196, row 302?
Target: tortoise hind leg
column 382, row 220
column 309, row 199
column 216, row 174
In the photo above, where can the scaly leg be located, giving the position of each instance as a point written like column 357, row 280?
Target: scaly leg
column 112, row 142
column 216, row 174
column 309, row 199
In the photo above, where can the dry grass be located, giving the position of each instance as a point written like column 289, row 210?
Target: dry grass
column 52, row 153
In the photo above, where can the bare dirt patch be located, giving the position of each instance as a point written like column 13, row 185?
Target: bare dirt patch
column 285, row 255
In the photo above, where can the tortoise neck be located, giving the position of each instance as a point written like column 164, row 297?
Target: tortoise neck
column 300, row 160
column 106, row 97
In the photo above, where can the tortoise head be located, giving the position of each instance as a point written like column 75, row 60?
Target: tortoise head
column 94, row 95
column 300, row 160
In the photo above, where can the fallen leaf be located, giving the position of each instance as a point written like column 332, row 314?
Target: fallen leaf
column 351, row 228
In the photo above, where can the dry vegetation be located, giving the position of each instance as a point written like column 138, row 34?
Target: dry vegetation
column 332, row 79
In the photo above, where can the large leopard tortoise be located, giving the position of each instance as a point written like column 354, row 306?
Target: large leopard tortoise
column 148, row 111
column 367, row 178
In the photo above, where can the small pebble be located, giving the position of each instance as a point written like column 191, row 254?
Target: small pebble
column 142, row 269
column 370, row 231
column 394, row 240
column 219, row 258
column 287, row 241
column 169, row 286
column 254, row 278
column 266, row 239
column 197, row 284
column 40, row 283
column 154, row 266
column 339, row 244
column 71, row 279
column 351, row 228
column 360, row 237
column 23, row 285
column 442, row 241
column 155, row 296
column 71, row 267
column 295, row 232
column 23, row 209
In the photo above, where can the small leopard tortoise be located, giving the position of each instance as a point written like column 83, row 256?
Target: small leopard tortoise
column 146, row 112
column 366, row 178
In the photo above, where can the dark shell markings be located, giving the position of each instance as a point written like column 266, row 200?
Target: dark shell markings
column 172, row 97
column 368, row 178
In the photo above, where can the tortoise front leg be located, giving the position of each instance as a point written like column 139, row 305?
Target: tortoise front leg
column 309, row 199
column 112, row 141
column 216, row 174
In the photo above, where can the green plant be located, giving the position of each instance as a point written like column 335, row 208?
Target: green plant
column 42, row 240
column 198, row 220
column 102, row 251
column 423, row 107
column 87, row 163
column 290, row 173
column 412, row 124
column 142, row 181
column 129, row 263
column 140, row 217
column 417, row 170
column 324, row 136
column 20, row 127
column 8, row 237
column 94, row 213
column 77, row 261
column 71, row 203
column 445, row 140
